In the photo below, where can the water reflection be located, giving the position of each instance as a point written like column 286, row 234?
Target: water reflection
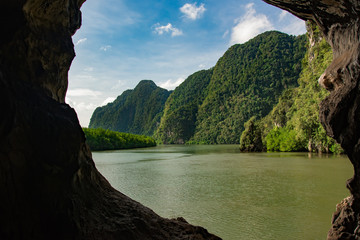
column 234, row 195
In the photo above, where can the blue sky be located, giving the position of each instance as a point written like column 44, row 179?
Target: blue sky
column 123, row 41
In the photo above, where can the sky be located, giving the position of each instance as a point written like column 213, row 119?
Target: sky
column 122, row 42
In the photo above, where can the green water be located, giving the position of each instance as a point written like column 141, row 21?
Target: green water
column 234, row 195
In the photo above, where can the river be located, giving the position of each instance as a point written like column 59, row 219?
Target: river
column 234, row 195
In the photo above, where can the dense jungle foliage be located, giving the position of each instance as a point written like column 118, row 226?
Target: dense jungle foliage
column 293, row 124
column 178, row 122
column 101, row 139
column 135, row 111
column 212, row 106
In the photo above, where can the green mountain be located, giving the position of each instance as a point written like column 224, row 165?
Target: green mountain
column 136, row 111
column 293, row 124
column 179, row 120
column 211, row 106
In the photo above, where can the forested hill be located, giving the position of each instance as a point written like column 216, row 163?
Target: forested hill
column 211, row 106
column 293, row 124
column 179, row 120
column 135, row 111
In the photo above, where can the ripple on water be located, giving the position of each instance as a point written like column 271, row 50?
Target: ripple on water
column 232, row 194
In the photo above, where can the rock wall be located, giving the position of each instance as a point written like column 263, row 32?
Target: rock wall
column 49, row 186
column 340, row 111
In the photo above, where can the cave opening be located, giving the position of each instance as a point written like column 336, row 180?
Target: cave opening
column 49, row 184
column 105, row 48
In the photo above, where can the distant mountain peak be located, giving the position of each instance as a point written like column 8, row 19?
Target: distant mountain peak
column 146, row 83
column 135, row 111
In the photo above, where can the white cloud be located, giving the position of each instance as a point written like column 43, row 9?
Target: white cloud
column 226, row 33
column 295, row 27
column 249, row 26
column 80, row 41
column 80, row 106
column 69, row 101
column 171, row 84
column 105, row 48
column 85, row 106
column 83, row 109
column 167, row 29
column 88, row 69
column 202, row 66
column 81, row 92
column 283, row 14
column 118, row 85
column 108, row 100
column 291, row 24
column 193, row 12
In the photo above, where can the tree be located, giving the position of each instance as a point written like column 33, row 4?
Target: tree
column 251, row 137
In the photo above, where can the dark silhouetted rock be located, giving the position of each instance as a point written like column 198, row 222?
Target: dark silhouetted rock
column 49, row 186
column 340, row 111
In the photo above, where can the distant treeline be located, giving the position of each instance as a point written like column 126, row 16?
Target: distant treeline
column 101, row 139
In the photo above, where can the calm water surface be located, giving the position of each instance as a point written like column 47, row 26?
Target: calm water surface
column 234, row 195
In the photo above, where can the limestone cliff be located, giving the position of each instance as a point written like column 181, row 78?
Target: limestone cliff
column 340, row 111
column 49, row 186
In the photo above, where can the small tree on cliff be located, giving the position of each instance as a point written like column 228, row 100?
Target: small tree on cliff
column 250, row 140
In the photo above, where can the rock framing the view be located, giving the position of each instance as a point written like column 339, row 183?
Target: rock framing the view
column 49, row 186
column 339, row 112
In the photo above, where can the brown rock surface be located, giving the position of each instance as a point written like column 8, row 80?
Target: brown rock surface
column 340, row 111
column 49, row 186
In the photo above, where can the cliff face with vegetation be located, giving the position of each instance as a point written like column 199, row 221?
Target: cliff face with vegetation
column 293, row 124
column 339, row 111
column 49, row 186
column 247, row 81
column 135, row 111
column 181, row 109
column 213, row 105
